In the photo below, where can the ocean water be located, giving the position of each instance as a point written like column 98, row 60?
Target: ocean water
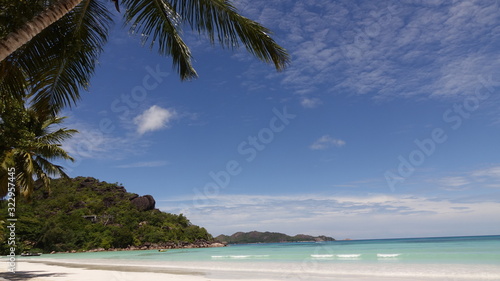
column 462, row 250
column 444, row 258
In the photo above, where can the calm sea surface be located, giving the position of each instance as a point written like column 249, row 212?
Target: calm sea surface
column 442, row 250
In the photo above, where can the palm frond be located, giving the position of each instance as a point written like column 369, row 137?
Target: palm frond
column 220, row 19
column 62, row 58
column 24, row 172
column 46, row 136
column 12, row 80
column 158, row 23
column 25, row 183
column 50, row 169
column 51, row 151
column 57, row 136
column 7, row 161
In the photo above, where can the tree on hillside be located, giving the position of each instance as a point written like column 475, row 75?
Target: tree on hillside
column 59, row 41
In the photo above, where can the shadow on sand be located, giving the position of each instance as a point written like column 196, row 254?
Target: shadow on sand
column 27, row 275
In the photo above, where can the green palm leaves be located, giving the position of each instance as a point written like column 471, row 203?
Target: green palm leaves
column 32, row 145
column 59, row 61
column 53, row 66
column 160, row 23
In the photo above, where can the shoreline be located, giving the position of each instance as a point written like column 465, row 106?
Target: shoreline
column 151, row 246
column 47, row 269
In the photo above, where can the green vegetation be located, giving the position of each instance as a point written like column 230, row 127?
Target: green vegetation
column 268, row 237
column 29, row 143
column 83, row 214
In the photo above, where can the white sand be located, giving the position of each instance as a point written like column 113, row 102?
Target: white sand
column 123, row 270
column 57, row 270
column 38, row 271
column 42, row 272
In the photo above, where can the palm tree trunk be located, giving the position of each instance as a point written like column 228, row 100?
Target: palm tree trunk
column 25, row 33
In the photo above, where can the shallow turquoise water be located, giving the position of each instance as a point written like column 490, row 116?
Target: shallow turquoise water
column 445, row 250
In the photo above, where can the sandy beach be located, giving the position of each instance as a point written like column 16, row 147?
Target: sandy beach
column 62, row 271
column 49, row 272
column 119, row 270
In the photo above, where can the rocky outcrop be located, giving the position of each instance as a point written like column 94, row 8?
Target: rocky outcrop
column 88, row 182
column 96, row 185
column 144, row 203
column 160, row 246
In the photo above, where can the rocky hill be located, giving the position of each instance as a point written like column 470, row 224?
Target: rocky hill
column 85, row 214
column 269, row 237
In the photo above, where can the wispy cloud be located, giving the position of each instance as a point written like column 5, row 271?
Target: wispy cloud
column 454, row 183
column 153, row 119
column 344, row 216
column 325, row 142
column 485, row 178
column 91, row 142
column 491, row 172
column 385, row 49
column 148, row 164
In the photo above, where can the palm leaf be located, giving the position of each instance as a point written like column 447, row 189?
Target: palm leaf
column 57, row 136
column 62, row 58
column 49, row 168
column 24, row 172
column 158, row 23
column 220, row 19
column 46, row 136
column 12, row 80
column 51, row 151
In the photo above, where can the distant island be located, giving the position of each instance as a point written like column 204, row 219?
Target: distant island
column 269, row 237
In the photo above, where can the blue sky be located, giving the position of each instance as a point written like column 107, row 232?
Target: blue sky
column 386, row 124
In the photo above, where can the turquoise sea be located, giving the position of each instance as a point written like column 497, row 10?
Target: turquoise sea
column 468, row 249
column 463, row 258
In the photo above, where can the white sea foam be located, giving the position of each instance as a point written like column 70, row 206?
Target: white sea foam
column 241, row 257
column 322, row 256
column 349, row 256
column 219, row 257
column 387, row 255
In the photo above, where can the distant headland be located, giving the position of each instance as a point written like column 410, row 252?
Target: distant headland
column 269, row 237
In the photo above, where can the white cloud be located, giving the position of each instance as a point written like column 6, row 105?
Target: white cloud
column 310, row 102
column 374, row 216
column 326, row 142
column 153, row 119
column 148, row 164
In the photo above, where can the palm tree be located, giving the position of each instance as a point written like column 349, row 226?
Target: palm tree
column 34, row 145
column 61, row 44
column 19, row 37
